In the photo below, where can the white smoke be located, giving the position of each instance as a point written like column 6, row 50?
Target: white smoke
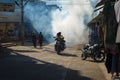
column 71, row 20
column 67, row 16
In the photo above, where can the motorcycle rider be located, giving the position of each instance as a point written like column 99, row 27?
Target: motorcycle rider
column 60, row 38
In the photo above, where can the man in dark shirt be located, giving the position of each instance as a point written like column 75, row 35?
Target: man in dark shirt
column 34, row 39
column 40, row 39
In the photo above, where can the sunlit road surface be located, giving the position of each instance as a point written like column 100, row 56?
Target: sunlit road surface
column 28, row 63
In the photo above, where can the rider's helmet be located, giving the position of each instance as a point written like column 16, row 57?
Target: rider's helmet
column 59, row 33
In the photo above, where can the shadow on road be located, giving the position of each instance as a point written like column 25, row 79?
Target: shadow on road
column 62, row 53
column 30, row 51
column 29, row 43
column 68, row 55
column 4, row 51
column 20, row 67
column 91, row 60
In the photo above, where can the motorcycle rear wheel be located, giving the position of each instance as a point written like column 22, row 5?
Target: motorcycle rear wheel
column 99, row 57
column 58, row 51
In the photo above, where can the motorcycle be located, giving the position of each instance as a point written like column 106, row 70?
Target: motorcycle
column 59, row 46
column 94, row 52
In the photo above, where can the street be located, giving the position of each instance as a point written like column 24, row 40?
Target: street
column 30, row 29
column 28, row 63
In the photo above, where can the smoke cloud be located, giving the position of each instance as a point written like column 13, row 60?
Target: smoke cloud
column 39, row 14
column 69, row 17
column 72, row 20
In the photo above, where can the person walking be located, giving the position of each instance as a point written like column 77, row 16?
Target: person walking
column 34, row 39
column 40, row 39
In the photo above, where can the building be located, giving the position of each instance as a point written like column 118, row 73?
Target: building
column 10, row 22
column 96, row 30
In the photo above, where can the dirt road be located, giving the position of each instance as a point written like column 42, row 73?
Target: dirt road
column 28, row 63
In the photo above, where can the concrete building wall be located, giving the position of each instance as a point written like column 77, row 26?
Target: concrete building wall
column 10, row 16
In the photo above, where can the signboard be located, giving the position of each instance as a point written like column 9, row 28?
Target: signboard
column 7, row 7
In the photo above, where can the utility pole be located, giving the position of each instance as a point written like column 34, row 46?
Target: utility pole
column 22, row 4
column 22, row 23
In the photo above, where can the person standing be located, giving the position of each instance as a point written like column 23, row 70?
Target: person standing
column 40, row 39
column 34, row 39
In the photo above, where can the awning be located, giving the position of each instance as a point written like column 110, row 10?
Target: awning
column 100, row 3
column 96, row 19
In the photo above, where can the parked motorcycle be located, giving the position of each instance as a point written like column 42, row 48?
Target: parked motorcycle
column 94, row 52
column 59, row 46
